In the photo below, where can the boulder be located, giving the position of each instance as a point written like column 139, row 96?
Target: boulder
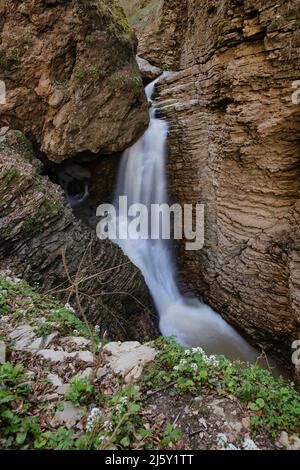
column 72, row 82
column 149, row 72
column 129, row 359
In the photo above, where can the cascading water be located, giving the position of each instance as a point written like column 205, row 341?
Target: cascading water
column 142, row 178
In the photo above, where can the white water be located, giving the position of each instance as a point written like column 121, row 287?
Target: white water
column 142, row 178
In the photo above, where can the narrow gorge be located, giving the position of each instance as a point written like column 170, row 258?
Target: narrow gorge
column 136, row 342
column 234, row 145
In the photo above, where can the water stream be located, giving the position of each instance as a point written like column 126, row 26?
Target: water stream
column 142, row 178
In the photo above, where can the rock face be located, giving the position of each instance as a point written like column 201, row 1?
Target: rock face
column 160, row 26
column 149, row 72
column 36, row 229
column 72, row 83
column 234, row 146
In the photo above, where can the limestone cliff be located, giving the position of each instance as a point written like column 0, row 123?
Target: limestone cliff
column 234, row 146
column 71, row 76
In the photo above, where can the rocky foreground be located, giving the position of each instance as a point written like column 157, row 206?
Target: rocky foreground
column 64, row 387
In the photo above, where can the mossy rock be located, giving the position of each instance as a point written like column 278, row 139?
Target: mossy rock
column 114, row 14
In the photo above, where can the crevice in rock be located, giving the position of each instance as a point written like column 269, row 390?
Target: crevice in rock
column 87, row 182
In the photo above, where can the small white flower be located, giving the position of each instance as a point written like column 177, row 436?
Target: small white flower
column 194, row 367
column 92, row 419
column 222, row 440
column 212, row 360
column 97, row 329
column 69, row 307
column 176, row 368
column 223, row 444
column 198, row 350
column 183, row 362
column 249, row 444
column 231, row 447
column 108, row 426
column 187, row 352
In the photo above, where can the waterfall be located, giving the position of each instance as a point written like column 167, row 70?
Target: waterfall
column 142, row 178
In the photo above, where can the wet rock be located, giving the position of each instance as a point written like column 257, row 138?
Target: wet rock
column 224, row 128
column 149, row 72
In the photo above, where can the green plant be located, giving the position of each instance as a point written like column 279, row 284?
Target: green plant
column 9, row 58
column 171, row 436
column 80, row 75
column 16, row 426
column 30, row 222
column 96, row 72
column 274, row 404
column 12, row 173
column 61, row 84
column 81, row 391
column 61, row 439
column 4, row 306
column 65, row 321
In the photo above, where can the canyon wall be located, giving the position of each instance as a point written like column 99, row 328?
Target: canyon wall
column 234, row 146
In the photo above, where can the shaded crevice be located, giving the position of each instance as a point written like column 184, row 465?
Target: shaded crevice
column 87, row 182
